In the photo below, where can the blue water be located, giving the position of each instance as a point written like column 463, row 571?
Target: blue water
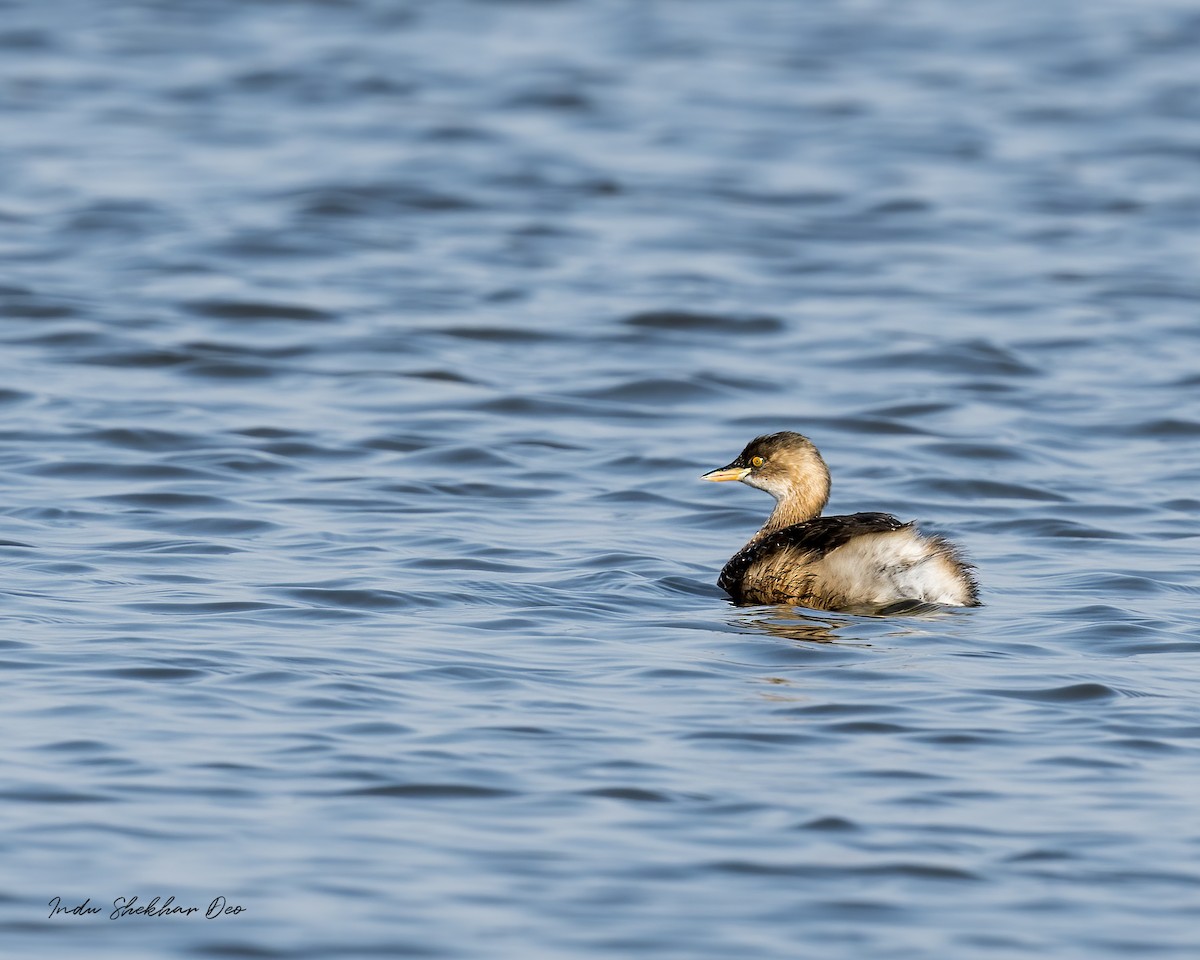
column 359, row 363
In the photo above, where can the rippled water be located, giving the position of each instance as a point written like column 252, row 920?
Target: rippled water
column 359, row 363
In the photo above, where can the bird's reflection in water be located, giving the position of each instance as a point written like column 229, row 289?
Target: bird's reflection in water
column 794, row 623
column 819, row 626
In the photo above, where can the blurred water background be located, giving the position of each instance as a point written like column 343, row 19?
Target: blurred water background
column 359, row 362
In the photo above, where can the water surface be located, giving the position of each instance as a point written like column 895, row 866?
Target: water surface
column 359, row 362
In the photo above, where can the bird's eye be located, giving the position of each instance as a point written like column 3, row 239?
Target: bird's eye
column 756, row 461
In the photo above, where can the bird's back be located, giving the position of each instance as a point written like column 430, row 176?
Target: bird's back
column 863, row 559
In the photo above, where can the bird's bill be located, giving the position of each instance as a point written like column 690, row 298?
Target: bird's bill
column 722, row 474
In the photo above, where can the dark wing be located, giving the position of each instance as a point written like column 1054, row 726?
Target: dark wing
column 816, row 537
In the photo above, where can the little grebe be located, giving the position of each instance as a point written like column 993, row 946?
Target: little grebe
column 832, row 563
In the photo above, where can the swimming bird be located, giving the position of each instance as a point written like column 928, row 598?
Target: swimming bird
column 864, row 560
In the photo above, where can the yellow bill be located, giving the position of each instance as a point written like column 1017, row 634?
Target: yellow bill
column 722, row 474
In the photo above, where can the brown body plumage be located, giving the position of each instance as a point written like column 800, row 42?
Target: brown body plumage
column 864, row 560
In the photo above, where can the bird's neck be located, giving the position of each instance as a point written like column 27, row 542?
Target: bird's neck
column 798, row 505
